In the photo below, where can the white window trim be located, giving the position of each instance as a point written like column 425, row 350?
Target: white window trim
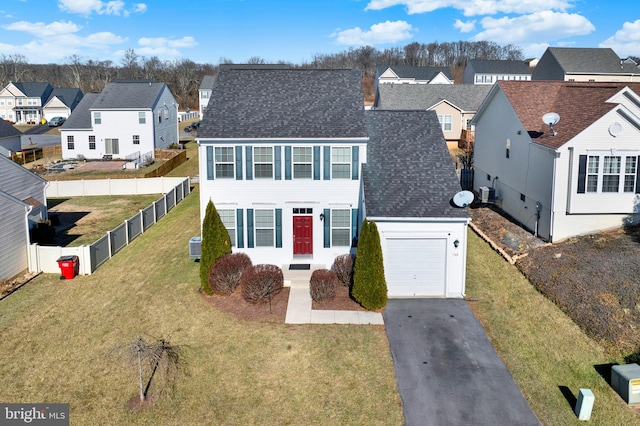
column 229, row 221
column 256, row 228
column 346, row 228
column 217, row 163
column 601, row 172
column 256, row 162
column 336, row 163
column 307, row 163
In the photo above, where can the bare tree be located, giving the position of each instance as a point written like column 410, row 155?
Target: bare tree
column 158, row 359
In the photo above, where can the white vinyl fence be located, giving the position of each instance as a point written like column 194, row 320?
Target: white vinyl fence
column 44, row 258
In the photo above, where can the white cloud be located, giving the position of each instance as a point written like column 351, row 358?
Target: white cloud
column 41, row 29
column 158, row 42
column 465, row 27
column 546, row 25
column 626, row 41
column 474, row 7
column 384, row 32
column 87, row 7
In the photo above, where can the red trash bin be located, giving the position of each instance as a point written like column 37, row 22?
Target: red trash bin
column 69, row 267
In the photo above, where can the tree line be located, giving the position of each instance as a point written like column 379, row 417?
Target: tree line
column 184, row 76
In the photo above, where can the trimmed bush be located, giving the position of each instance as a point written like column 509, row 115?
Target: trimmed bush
column 369, row 284
column 261, row 282
column 343, row 267
column 224, row 276
column 215, row 244
column 323, row 285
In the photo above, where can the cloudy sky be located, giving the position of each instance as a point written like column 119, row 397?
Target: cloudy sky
column 207, row 31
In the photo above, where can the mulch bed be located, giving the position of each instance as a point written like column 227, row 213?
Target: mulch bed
column 238, row 307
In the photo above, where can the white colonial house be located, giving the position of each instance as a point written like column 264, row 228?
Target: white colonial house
column 128, row 120
column 61, row 103
column 561, row 158
column 23, row 203
column 204, row 92
column 23, row 102
column 281, row 157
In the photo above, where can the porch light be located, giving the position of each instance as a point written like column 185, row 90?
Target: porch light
column 456, row 243
column 321, row 217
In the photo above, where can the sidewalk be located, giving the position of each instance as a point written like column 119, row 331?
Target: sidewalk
column 299, row 308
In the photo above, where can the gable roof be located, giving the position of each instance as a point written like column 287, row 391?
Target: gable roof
column 417, row 73
column 7, row 130
column 129, row 94
column 34, row 89
column 207, row 82
column 590, row 60
column 80, row 118
column 68, row 96
column 467, row 97
column 532, row 99
column 487, row 66
column 409, row 172
column 285, row 103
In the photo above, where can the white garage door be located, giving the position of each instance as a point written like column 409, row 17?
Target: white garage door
column 415, row 267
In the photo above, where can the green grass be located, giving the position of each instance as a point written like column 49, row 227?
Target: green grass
column 543, row 349
column 99, row 214
column 189, row 167
column 57, row 337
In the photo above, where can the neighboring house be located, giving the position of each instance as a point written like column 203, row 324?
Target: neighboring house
column 128, row 120
column 9, row 139
column 23, row 102
column 405, row 74
column 281, row 154
column 61, row 103
column 485, row 71
column 407, row 191
column 455, row 105
column 585, row 64
column 574, row 177
column 205, row 92
column 23, row 203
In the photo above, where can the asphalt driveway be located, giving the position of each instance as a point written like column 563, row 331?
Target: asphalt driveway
column 447, row 371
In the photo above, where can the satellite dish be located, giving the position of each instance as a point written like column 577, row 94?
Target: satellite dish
column 463, row 198
column 615, row 129
column 550, row 118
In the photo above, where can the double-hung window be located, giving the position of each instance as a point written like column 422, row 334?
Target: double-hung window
column 611, row 173
column 97, row 118
column 92, row 142
column 228, row 218
column 224, row 162
column 263, row 162
column 142, row 117
column 340, row 227
column 302, row 162
column 136, row 139
column 70, row 142
column 341, row 163
column 264, row 228
column 445, row 122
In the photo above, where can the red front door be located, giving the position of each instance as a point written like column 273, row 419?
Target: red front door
column 302, row 235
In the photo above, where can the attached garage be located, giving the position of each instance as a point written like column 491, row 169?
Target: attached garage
column 416, row 267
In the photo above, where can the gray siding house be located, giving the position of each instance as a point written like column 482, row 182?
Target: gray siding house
column 484, row 71
column 9, row 139
column 23, row 203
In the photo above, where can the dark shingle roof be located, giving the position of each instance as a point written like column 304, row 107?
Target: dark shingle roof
column 417, row 73
column 487, row 66
column 207, row 82
column 34, row 89
column 285, row 103
column 532, row 99
column 70, row 97
column 80, row 118
column 467, row 97
column 409, row 172
column 590, row 60
column 129, row 94
column 7, row 130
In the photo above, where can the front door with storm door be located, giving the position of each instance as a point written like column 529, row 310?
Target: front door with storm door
column 302, row 231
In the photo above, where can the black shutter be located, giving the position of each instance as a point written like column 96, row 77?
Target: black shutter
column 582, row 174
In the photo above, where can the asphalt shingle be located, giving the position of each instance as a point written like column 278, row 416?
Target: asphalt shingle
column 409, row 172
column 467, row 97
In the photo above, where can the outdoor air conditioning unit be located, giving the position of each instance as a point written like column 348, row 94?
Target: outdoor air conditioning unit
column 625, row 379
column 195, row 244
column 487, row 195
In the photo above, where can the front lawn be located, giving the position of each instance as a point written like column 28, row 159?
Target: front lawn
column 57, row 338
column 548, row 355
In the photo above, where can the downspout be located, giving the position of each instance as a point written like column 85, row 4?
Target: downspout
column 28, row 208
column 556, row 154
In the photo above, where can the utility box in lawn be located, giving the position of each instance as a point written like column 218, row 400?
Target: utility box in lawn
column 69, row 267
column 625, row 379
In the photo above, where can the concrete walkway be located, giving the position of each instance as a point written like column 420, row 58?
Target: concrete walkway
column 299, row 308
